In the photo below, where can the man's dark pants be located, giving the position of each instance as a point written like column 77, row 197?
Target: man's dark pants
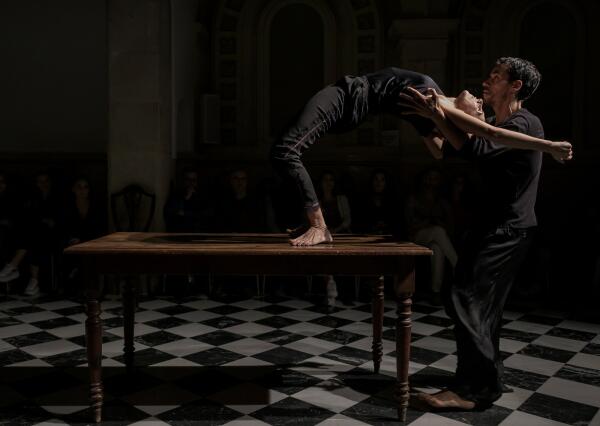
column 475, row 301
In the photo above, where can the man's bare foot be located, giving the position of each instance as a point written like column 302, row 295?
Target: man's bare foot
column 297, row 231
column 445, row 400
column 312, row 237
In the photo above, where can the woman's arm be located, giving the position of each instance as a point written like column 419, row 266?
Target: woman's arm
column 499, row 135
column 442, row 111
column 429, row 107
column 434, row 144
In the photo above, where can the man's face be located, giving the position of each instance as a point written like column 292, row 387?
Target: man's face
column 466, row 102
column 497, row 87
column 379, row 183
column 43, row 183
column 239, row 181
column 190, row 181
column 81, row 189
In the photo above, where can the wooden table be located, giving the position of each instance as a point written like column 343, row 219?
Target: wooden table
column 246, row 254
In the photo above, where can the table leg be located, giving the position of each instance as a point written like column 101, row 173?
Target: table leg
column 403, row 292
column 93, row 337
column 128, row 321
column 377, row 310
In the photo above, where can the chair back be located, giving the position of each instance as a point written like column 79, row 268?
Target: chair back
column 132, row 209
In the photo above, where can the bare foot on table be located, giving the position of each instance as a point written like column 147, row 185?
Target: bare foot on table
column 445, row 399
column 297, row 231
column 312, row 237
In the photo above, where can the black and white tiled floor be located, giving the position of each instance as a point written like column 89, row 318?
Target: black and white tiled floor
column 278, row 361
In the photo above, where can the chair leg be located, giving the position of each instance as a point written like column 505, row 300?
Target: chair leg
column 309, row 284
column 356, row 287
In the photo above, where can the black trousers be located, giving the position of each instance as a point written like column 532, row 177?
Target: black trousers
column 336, row 108
column 475, row 301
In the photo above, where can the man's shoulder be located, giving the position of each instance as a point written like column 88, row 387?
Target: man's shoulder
column 529, row 122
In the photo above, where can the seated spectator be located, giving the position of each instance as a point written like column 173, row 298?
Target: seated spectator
column 461, row 204
column 378, row 211
column 266, row 195
column 336, row 211
column 335, row 206
column 428, row 217
column 238, row 209
column 10, row 215
column 82, row 220
column 39, row 235
column 186, row 209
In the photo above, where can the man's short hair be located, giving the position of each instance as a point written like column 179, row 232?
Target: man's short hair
column 522, row 69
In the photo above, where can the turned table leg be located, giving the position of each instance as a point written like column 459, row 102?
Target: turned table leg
column 128, row 321
column 93, row 337
column 403, row 290
column 377, row 310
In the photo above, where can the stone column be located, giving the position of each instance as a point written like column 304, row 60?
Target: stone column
column 422, row 45
column 139, row 75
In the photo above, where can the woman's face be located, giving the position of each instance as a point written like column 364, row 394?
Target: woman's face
column 466, row 102
column 43, row 183
column 378, row 183
column 81, row 189
column 328, row 182
column 459, row 184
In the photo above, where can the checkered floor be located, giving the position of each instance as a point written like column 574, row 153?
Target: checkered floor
column 278, row 361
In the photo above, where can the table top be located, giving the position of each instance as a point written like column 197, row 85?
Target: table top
column 124, row 243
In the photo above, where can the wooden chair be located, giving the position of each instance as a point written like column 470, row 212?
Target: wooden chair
column 133, row 198
column 132, row 210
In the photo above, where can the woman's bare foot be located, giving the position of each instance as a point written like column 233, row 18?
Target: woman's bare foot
column 445, row 400
column 297, row 231
column 313, row 236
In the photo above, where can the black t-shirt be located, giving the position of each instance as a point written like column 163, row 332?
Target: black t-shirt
column 385, row 87
column 510, row 176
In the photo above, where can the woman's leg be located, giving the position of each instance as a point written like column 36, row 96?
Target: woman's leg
column 322, row 112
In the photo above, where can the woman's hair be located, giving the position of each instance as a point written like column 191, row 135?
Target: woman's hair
column 380, row 171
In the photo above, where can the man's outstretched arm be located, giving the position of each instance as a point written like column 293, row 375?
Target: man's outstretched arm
column 464, row 122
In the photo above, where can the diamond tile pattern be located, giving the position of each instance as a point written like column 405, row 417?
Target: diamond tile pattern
column 277, row 361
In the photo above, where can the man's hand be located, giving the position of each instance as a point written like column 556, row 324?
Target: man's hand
column 424, row 105
column 561, row 151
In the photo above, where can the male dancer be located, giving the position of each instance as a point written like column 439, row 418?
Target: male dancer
column 493, row 253
column 343, row 106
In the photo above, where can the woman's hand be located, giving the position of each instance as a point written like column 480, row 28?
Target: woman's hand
column 561, row 151
column 427, row 106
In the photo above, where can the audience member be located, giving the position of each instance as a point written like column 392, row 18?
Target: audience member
column 462, row 208
column 10, row 215
column 239, row 210
column 39, row 235
column 186, row 209
column 428, row 217
column 336, row 211
column 378, row 210
column 82, row 221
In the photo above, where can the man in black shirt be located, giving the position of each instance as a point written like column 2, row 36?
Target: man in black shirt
column 497, row 247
